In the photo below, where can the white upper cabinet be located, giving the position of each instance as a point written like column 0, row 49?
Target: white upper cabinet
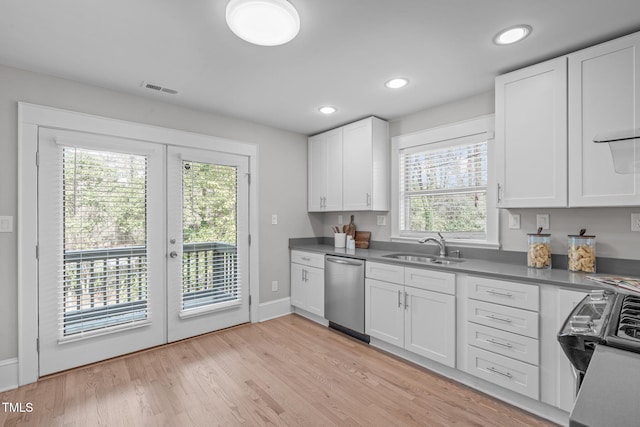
column 366, row 165
column 531, row 136
column 325, row 171
column 604, row 97
column 349, row 168
column 547, row 116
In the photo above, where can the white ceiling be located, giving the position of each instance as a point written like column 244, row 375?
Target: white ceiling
column 345, row 51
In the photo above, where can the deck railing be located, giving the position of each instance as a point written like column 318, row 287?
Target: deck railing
column 112, row 283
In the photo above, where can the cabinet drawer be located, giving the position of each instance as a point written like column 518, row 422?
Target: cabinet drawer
column 311, row 259
column 505, row 343
column 385, row 272
column 508, row 319
column 430, row 280
column 503, row 371
column 512, row 294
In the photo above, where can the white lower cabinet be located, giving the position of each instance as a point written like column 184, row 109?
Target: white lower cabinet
column 502, row 336
column 509, row 373
column 414, row 318
column 307, row 281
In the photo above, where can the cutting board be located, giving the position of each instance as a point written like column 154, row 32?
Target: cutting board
column 362, row 239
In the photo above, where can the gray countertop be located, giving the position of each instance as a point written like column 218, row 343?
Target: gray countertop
column 609, row 393
column 500, row 270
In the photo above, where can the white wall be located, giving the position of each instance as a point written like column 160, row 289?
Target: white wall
column 611, row 226
column 282, row 190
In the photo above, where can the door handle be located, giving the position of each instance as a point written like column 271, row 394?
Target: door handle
column 173, row 254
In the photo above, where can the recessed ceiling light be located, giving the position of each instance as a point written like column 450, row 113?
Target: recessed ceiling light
column 512, row 34
column 327, row 109
column 397, row 83
column 263, row 22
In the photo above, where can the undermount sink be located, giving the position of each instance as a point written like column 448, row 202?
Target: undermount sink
column 426, row 259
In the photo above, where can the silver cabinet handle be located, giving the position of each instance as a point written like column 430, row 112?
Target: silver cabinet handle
column 399, row 296
column 304, row 258
column 173, row 254
column 502, row 294
column 499, row 372
column 368, row 199
column 498, row 196
column 406, row 300
column 503, row 344
column 501, row 319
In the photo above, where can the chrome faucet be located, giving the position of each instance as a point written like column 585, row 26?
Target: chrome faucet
column 441, row 243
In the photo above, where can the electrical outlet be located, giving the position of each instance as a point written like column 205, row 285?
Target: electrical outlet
column 635, row 222
column 6, row 224
column 382, row 220
column 274, row 219
column 274, row 286
column 340, row 220
column 542, row 220
column 514, row 221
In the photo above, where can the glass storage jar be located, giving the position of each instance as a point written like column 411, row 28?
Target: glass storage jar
column 582, row 252
column 539, row 250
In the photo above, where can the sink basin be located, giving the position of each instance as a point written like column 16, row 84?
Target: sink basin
column 426, row 259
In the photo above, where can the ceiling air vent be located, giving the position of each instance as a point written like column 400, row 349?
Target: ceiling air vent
column 158, row 88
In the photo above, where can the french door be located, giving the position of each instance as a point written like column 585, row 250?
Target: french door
column 139, row 244
column 208, row 241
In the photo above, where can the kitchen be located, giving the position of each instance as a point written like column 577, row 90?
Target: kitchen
column 48, row 85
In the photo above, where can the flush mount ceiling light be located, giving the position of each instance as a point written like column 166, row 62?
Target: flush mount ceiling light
column 512, row 34
column 327, row 109
column 263, row 22
column 397, row 83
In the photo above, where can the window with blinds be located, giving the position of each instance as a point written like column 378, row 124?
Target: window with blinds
column 210, row 275
column 443, row 188
column 103, row 280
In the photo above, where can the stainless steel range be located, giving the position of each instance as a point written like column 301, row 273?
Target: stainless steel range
column 624, row 327
column 601, row 318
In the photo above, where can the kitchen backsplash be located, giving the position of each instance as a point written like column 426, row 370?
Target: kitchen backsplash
column 611, row 226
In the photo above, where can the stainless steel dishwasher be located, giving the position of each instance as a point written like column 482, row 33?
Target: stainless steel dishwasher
column 344, row 295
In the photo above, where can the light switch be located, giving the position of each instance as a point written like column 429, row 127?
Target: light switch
column 382, row 220
column 274, row 219
column 6, row 224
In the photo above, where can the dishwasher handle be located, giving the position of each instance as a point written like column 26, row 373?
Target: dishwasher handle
column 344, row 262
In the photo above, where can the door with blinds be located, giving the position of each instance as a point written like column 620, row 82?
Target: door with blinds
column 208, row 241
column 139, row 244
column 101, row 248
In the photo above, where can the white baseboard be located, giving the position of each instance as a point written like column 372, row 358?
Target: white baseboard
column 272, row 309
column 8, row 374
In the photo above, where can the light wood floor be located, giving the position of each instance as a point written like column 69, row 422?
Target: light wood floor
column 287, row 371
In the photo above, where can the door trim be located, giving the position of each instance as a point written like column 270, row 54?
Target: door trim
column 30, row 118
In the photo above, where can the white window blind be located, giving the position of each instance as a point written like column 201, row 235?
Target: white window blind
column 210, row 274
column 443, row 188
column 104, row 266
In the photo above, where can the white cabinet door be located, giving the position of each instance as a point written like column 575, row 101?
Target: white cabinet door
column 357, row 166
column 384, row 311
column 314, row 279
column 430, row 325
column 317, row 152
column 531, row 136
column 333, row 194
column 298, row 288
column 604, row 96
column 325, row 172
